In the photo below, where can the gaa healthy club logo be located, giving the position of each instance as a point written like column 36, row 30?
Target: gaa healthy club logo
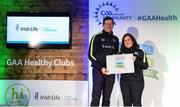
column 105, row 9
column 17, row 95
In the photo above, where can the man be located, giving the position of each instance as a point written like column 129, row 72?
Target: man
column 102, row 44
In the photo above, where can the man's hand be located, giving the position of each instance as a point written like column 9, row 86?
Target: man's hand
column 105, row 71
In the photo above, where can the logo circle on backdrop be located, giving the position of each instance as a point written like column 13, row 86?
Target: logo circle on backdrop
column 105, row 9
column 17, row 95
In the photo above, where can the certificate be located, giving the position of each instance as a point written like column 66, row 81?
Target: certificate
column 120, row 63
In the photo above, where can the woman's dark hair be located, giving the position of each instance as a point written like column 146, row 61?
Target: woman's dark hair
column 134, row 46
column 108, row 18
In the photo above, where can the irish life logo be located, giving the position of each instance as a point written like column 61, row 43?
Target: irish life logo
column 17, row 27
column 26, row 28
column 17, row 95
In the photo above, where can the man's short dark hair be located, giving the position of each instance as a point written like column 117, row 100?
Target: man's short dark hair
column 108, row 18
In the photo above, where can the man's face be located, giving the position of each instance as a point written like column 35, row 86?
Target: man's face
column 108, row 26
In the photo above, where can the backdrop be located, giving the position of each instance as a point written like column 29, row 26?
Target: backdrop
column 156, row 26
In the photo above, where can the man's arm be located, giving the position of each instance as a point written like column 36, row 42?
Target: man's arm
column 92, row 50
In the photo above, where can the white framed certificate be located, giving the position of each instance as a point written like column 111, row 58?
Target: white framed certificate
column 118, row 64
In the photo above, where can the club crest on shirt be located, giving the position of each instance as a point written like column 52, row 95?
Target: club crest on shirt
column 114, row 40
column 136, row 53
column 103, row 40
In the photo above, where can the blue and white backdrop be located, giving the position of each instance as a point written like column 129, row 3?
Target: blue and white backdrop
column 156, row 26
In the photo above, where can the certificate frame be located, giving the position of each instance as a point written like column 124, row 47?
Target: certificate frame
column 119, row 64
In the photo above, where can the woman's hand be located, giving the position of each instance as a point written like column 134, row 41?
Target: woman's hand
column 134, row 58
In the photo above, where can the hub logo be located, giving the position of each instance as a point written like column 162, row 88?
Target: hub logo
column 17, row 95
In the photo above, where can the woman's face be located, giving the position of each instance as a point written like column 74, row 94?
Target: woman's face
column 128, row 42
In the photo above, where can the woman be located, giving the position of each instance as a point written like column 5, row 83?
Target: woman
column 132, row 84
